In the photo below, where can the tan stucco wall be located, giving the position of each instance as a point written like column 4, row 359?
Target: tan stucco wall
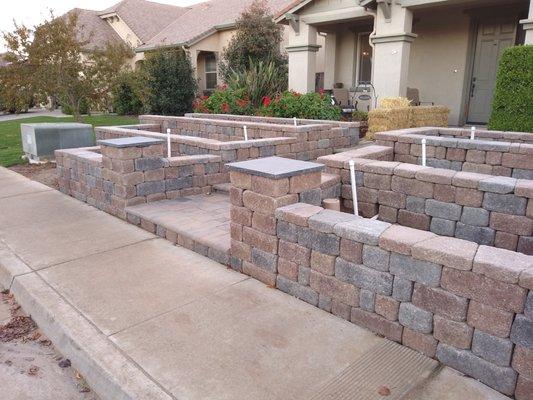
column 345, row 56
column 439, row 58
column 124, row 31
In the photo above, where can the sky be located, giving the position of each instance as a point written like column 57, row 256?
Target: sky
column 31, row 12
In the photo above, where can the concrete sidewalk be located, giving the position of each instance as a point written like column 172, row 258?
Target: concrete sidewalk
column 143, row 319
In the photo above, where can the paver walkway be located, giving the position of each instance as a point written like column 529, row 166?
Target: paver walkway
column 143, row 319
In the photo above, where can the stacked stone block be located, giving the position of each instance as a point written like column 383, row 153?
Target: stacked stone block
column 258, row 188
column 494, row 153
column 490, row 210
column 79, row 173
column 132, row 171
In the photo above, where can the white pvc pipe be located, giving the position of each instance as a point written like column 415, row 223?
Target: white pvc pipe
column 295, row 122
column 245, row 133
column 472, row 133
column 424, row 161
column 169, row 147
column 354, row 187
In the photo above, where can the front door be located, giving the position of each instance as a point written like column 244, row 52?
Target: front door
column 493, row 37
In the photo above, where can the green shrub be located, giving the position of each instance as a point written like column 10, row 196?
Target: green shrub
column 360, row 115
column 512, row 107
column 83, row 108
column 225, row 100
column 259, row 80
column 257, row 38
column 310, row 106
column 170, row 81
column 126, row 95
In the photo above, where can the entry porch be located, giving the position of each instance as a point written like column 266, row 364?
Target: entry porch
column 447, row 49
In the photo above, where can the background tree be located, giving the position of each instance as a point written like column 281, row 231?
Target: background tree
column 170, row 82
column 257, row 38
column 56, row 63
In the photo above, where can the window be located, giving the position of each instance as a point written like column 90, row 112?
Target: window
column 210, row 71
column 365, row 59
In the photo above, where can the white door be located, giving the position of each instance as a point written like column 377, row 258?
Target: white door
column 493, row 37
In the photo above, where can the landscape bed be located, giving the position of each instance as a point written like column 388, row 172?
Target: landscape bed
column 479, row 190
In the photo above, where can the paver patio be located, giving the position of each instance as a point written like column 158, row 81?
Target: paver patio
column 142, row 318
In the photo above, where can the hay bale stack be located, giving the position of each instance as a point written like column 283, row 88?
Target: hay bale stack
column 429, row 116
column 396, row 113
column 388, row 119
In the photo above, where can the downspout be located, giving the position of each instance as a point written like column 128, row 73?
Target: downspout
column 375, row 15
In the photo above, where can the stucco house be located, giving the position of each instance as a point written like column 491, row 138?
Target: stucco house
column 203, row 29
column 447, row 49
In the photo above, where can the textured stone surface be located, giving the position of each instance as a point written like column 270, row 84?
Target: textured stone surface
column 500, row 264
column 523, row 361
column 323, row 242
column 505, row 203
column 484, row 289
column 423, row 272
column 326, row 220
column 443, row 210
column 500, row 378
column 389, row 329
column 475, row 216
column 443, row 227
column 491, row 348
column 456, row 334
column 441, row 302
column 400, row 239
column 375, row 257
column 424, row 343
column 362, row 230
column 334, row 288
column 402, row 289
column 264, row 260
column 415, row 318
column 489, row 319
column 298, row 213
column 452, row 252
column 323, row 263
column 134, row 141
column 522, row 331
column 351, row 251
column 387, row 307
column 367, row 300
column 304, row 293
column 364, row 277
column 476, row 234
column 498, row 184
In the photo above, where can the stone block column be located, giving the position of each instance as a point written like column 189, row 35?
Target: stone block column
column 392, row 46
column 258, row 188
column 133, row 172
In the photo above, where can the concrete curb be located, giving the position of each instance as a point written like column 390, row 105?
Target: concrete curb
column 109, row 373
column 10, row 266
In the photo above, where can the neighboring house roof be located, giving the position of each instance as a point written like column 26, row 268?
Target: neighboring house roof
column 145, row 18
column 94, row 30
column 202, row 20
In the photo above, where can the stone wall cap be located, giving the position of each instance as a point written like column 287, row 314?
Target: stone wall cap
column 275, row 167
column 135, row 141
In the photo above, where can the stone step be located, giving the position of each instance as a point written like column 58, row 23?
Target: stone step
column 387, row 370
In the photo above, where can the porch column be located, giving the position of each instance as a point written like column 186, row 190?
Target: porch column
column 302, row 50
column 330, row 50
column 392, row 46
column 527, row 25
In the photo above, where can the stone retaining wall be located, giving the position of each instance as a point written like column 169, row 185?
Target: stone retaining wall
column 490, row 210
column 113, row 178
column 469, row 306
column 493, row 153
column 316, row 137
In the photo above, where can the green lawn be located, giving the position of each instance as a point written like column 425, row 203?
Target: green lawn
column 11, row 145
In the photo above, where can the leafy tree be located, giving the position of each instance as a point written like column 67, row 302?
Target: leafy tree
column 257, row 38
column 170, row 82
column 127, row 94
column 55, row 61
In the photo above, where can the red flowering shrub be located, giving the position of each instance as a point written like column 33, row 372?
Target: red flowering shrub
column 224, row 101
